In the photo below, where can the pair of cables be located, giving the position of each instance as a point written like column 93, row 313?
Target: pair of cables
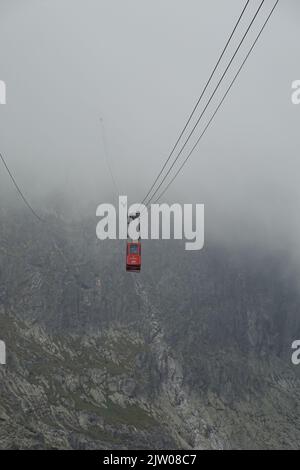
column 153, row 195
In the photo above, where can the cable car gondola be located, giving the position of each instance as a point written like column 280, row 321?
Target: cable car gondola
column 133, row 256
column 133, row 249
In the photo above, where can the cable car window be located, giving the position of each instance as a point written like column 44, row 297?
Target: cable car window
column 134, row 249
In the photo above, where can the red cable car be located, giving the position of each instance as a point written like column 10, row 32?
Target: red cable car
column 134, row 248
column 133, row 256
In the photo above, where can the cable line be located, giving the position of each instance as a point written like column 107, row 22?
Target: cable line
column 106, row 154
column 45, row 223
column 209, row 101
column 199, row 99
column 19, row 190
column 219, row 106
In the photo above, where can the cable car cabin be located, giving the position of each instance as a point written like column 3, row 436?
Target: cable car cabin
column 133, row 256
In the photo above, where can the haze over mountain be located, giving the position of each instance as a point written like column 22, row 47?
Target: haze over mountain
column 141, row 66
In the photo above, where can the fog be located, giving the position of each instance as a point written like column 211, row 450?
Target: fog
column 140, row 65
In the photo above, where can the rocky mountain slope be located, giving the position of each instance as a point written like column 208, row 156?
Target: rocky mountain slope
column 194, row 353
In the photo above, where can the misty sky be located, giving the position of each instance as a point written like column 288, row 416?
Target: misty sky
column 141, row 65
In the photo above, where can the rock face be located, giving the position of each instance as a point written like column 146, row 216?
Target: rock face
column 193, row 353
